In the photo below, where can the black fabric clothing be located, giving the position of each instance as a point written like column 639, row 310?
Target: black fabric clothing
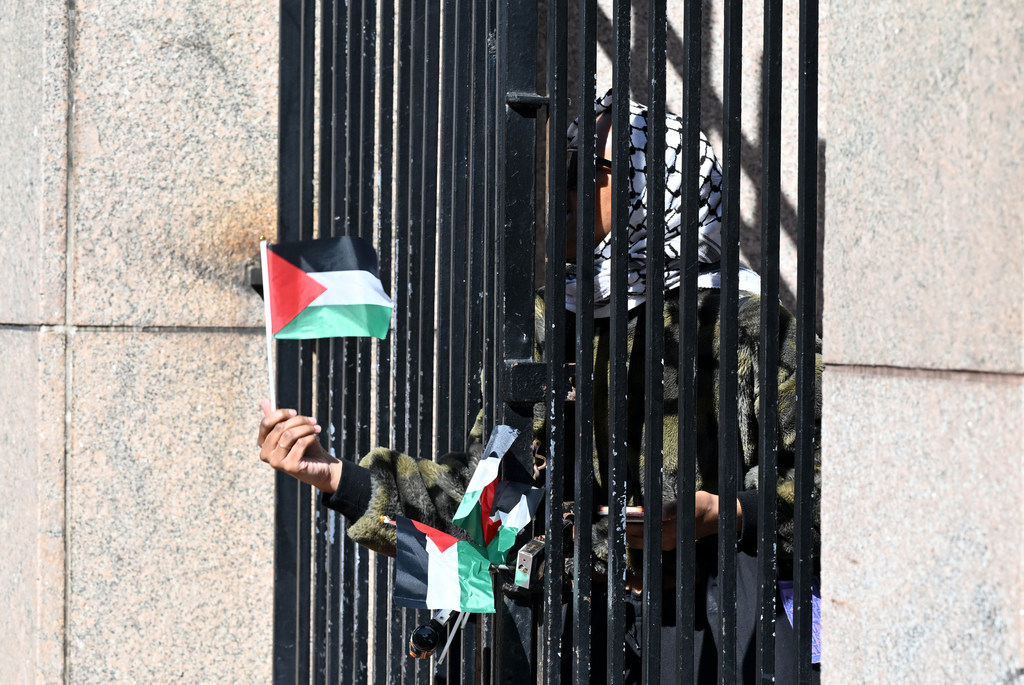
column 705, row 629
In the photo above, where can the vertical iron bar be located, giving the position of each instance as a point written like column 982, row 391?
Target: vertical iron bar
column 584, row 464
column 305, row 357
column 459, row 374
column 516, row 145
column 768, row 362
column 286, row 548
column 290, row 132
column 428, row 155
column 807, row 219
column 348, row 218
column 381, row 610
column 445, row 236
column 402, row 402
column 335, row 527
column 414, row 196
column 474, row 232
column 728, row 426
column 655, row 351
column 475, row 227
column 335, row 148
column 305, row 537
column 364, row 368
column 490, row 384
column 485, row 647
column 395, row 646
column 328, row 75
column 516, row 203
column 686, row 566
column 339, row 133
column 352, row 62
column 382, row 604
column 349, row 391
column 554, row 338
column 618, row 351
column 336, row 531
column 324, row 628
column 306, row 141
column 403, row 329
column 367, row 103
column 338, row 657
column 360, row 625
column 418, row 273
column 385, row 125
column 322, row 522
column 469, row 652
column 408, row 622
column 346, row 570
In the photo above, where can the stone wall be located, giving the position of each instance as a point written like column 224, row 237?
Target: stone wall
column 140, row 155
column 923, row 576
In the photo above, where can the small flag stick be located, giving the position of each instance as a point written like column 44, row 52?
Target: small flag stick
column 266, row 317
column 459, row 623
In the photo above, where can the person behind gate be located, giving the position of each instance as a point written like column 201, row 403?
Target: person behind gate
column 387, row 483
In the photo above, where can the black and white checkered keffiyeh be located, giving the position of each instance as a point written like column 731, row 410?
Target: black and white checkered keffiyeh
column 709, row 216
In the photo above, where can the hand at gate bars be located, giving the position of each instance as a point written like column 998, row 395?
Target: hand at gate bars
column 705, row 518
column 288, row 442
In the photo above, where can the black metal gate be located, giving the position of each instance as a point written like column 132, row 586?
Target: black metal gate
column 435, row 128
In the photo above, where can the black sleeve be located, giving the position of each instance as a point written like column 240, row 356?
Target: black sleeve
column 352, row 498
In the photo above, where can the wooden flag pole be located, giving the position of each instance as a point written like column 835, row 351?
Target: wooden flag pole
column 266, row 318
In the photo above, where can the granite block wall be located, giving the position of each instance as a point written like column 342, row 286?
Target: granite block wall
column 139, row 170
column 923, row 432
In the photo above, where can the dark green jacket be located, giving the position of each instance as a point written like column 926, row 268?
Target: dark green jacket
column 389, row 483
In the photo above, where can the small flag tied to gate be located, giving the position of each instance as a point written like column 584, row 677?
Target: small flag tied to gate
column 434, row 570
column 494, row 510
column 324, row 288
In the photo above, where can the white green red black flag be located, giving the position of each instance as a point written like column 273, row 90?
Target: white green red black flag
column 434, row 570
column 499, row 500
column 324, row 288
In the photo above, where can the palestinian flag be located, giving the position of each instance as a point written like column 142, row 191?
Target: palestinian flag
column 494, row 510
column 324, row 289
column 513, row 506
column 434, row 570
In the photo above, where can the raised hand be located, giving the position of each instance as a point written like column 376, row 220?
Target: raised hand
column 289, row 443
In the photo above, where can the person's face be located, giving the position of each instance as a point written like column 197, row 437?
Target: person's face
column 602, row 193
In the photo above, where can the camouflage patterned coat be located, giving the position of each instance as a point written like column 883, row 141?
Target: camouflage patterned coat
column 386, row 482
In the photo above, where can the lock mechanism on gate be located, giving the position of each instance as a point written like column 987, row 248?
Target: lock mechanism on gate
column 530, row 564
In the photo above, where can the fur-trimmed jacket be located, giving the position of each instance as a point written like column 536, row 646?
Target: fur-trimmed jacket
column 386, row 482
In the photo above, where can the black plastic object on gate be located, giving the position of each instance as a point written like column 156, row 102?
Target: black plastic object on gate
column 441, row 138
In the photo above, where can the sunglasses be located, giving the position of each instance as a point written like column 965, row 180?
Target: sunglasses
column 572, row 167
